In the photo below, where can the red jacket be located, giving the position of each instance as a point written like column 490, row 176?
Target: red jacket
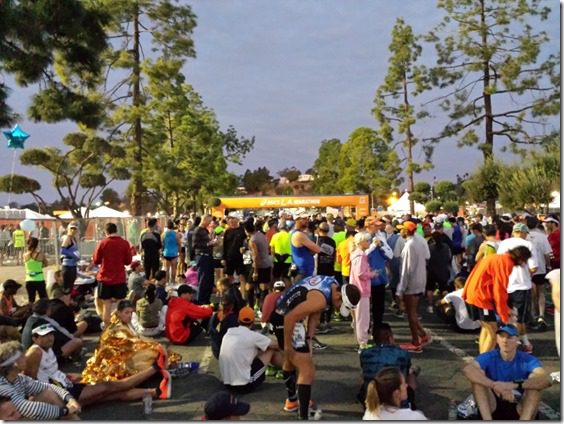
column 554, row 241
column 179, row 315
column 112, row 254
column 486, row 287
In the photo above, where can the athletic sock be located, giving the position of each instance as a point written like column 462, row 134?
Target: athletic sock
column 290, row 382
column 304, row 396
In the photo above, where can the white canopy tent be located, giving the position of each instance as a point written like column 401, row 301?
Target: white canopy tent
column 36, row 216
column 101, row 212
column 21, row 214
column 402, row 205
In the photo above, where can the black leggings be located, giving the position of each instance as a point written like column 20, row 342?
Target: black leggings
column 35, row 287
column 69, row 276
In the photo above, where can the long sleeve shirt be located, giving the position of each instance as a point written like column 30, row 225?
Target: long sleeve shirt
column 414, row 258
column 486, row 287
column 360, row 272
column 24, row 387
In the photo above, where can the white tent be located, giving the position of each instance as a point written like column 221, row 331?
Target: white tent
column 36, row 216
column 106, row 212
column 101, row 212
column 555, row 204
column 402, row 205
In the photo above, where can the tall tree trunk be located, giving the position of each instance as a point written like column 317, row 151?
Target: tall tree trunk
column 138, row 186
column 487, row 146
column 409, row 148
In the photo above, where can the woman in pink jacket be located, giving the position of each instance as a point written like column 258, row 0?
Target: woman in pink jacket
column 360, row 276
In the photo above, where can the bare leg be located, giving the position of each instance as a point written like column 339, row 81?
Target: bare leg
column 172, row 265
column 485, row 400
column 71, row 347
column 487, row 336
column 80, row 328
column 529, row 405
column 106, row 311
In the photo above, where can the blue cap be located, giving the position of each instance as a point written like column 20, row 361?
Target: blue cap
column 509, row 329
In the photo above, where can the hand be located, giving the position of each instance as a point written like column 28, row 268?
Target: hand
column 223, row 262
column 74, row 406
column 504, row 390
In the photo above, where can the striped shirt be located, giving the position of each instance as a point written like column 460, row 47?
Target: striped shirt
column 24, row 387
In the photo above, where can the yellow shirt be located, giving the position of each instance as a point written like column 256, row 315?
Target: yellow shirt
column 280, row 244
column 344, row 256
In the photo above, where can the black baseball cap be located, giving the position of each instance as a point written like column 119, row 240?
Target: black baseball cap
column 223, row 404
column 184, row 288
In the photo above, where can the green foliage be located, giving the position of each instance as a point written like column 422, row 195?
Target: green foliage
column 37, row 39
column 368, row 165
column 292, row 173
column 325, row 171
column 257, row 180
column 433, row 206
column 422, row 187
column 418, row 197
column 446, row 191
column 111, row 197
column 451, row 206
column 483, row 183
column 18, row 184
column 491, row 51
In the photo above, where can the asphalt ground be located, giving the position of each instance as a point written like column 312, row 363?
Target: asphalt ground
column 337, row 375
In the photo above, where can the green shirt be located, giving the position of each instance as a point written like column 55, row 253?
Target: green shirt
column 338, row 237
column 280, row 245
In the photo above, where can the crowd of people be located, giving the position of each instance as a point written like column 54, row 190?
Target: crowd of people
column 263, row 289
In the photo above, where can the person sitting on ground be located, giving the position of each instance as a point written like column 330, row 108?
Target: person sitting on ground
column 61, row 311
column 122, row 353
column 452, row 309
column 225, row 406
column 183, row 318
column 41, row 364
column 66, row 344
column 149, row 318
column 269, row 305
column 136, row 282
column 160, row 283
column 225, row 285
column 384, row 396
column 33, row 399
column 385, row 353
column 221, row 321
column 506, row 383
column 8, row 306
column 8, row 411
column 245, row 354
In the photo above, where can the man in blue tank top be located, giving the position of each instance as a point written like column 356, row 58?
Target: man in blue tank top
column 301, row 306
column 303, row 249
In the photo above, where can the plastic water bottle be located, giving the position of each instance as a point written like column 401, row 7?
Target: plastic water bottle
column 147, row 404
column 452, row 412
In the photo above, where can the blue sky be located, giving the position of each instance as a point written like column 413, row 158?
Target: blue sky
column 291, row 73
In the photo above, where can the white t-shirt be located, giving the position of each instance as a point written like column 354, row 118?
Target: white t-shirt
column 394, row 414
column 520, row 277
column 239, row 348
column 542, row 247
column 462, row 319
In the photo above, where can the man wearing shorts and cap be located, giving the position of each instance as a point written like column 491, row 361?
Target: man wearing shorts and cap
column 225, row 406
column 413, row 279
column 245, row 354
column 305, row 300
column 506, row 383
column 41, row 365
column 520, row 281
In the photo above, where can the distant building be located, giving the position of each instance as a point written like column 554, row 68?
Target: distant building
column 305, row 178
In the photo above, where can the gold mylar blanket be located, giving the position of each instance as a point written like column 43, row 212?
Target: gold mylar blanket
column 122, row 353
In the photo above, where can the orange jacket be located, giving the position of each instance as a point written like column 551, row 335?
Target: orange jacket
column 486, row 287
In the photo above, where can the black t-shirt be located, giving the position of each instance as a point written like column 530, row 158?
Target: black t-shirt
column 151, row 243
column 326, row 263
column 200, row 241
column 63, row 314
column 233, row 240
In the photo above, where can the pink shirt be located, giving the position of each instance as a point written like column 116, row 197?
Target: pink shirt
column 360, row 272
column 192, row 277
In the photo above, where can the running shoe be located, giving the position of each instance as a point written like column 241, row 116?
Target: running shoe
column 270, row 371
column 291, row 405
column 279, row 375
column 323, row 329
column 425, row 340
column 317, row 345
column 410, row 347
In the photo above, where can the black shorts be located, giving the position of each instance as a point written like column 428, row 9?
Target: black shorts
column 433, row 282
column 479, row 314
column 115, row 291
column 521, row 300
column 233, row 266
column 76, row 390
column 281, row 270
column 264, row 275
column 169, row 258
column 258, row 369
column 457, row 250
column 539, row 279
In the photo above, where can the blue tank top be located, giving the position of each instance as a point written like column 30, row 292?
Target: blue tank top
column 298, row 292
column 170, row 245
column 303, row 259
column 70, row 255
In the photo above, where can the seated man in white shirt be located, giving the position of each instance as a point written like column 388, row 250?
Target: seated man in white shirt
column 245, row 354
column 452, row 309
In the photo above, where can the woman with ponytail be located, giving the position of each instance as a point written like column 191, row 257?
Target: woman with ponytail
column 150, row 313
column 384, row 396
